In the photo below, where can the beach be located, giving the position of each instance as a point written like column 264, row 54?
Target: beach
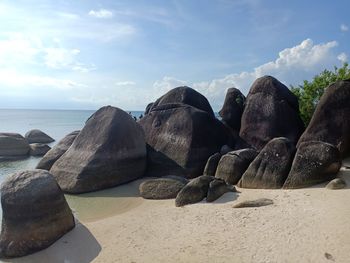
column 303, row 225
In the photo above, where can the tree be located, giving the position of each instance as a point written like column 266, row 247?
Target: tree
column 309, row 93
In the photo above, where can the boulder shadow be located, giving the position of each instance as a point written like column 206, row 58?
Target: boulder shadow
column 77, row 246
column 227, row 197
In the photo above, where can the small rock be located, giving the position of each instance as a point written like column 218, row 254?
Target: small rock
column 254, row 203
column 337, row 183
column 39, row 149
column 217, row 188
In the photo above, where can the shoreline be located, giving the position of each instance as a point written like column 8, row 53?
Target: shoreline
column 303, row 225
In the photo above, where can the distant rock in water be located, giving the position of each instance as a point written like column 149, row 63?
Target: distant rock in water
column 35, row 213
column 110, row 150
column 57, row 151
column 315, row 162
column 233, row 164
column 184, row 95
column 270, row 168
column 180, row 139
column 331, row 120
column 232, row 109
column 38, row 149
column 161, row 188
column 271, row 110
column 37, row 136
column 195, row 191
column 13, row 145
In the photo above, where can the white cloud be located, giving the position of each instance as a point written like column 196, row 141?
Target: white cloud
column 102, row 13
column 167, row 83
column 344, row 27
column 292, row 66
column 343, row 57
column 125, row 83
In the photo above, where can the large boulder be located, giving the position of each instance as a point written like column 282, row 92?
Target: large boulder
column 110, row 150
column 233, row 164
column 271, row 110
column 315, row 162
column 35, row 213
column 180, row 139
column 13, row 145
column 38, row 136
column 38, row 149
column 57, row 151
column 161, row 188
column 270, row 168
column 195, row 191
column 212, row 164
column 232, row 109
column 331, row 122
column 184, row 95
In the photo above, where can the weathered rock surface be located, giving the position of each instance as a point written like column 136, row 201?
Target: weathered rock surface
column 335, row 184
column 254, row 203
column 161, row 188
column 217, row 188
column 233, row 164
column 195, row 191
column 57, row 151
column 271, row 110
column 180, row 140
column 38, row 136
column 13, row 145
column 38, row 149
column 315, row 162
column 35, row 213
column 331, row 122
column 212, row 164
column 232, row 109
column 110, row 150
column 184, row 95
column 270, row 168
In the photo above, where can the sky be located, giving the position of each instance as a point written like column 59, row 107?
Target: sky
column 87, row 54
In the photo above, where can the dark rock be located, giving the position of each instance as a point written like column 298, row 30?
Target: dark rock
column 314, row 163
column 13, row 145
column 335, row 184
column 180, row 140
column 148, row 108
column 212, row 164
column 37, row 136
column 217, row 188
column 195, row 191
column 184, row 95
column 160, row 188
column 232, row 109
column 38, row 149
column 57, row 151
column 225, row 149
column 254, row 203
column 331, row 122
column 35, row 213
column 271, row 111
column 110, row 150
column 270, row 168
column 233, row 164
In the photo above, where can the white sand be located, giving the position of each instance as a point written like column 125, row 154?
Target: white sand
column 301, row 226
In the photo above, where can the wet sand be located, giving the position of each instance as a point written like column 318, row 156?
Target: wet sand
column 304, row 225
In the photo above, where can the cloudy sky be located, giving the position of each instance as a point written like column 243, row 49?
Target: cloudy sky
column 85, row 54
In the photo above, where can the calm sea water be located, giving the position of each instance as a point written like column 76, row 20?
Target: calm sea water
column 56, row 123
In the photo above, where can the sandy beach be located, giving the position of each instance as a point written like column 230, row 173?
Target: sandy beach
column 306, row 225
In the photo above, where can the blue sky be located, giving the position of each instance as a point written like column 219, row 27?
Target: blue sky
column 86, row 54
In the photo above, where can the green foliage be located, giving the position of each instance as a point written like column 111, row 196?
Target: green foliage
column 309, row 93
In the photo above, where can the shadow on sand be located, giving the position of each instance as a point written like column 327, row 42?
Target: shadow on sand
column 77, row 246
